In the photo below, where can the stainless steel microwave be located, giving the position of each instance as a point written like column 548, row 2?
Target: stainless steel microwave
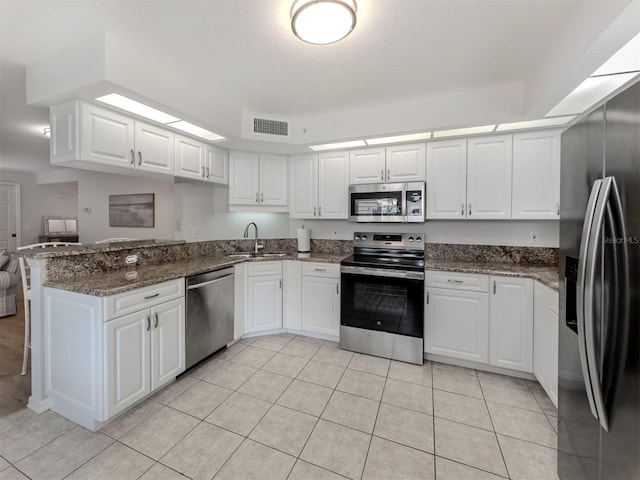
column 387, row 202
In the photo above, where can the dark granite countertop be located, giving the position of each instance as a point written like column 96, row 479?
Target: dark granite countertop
column 123, row 280
column 91, row 248
column 546, row 274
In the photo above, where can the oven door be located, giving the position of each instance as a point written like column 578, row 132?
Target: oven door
column 378, row 203
column 382, row 299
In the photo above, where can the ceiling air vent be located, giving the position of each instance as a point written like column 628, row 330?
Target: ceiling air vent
column 266, row 126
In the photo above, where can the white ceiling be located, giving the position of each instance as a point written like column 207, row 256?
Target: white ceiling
column 409, row 65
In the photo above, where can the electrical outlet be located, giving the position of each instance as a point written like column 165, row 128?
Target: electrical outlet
column 533, row 237
column 131, row 259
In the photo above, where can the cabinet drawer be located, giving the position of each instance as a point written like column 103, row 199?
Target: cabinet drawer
column 264, row 268
column 331, row 270
column 141, row 298
column 472, row 282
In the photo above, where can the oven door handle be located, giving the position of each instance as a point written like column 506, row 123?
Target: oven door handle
column 382, row 272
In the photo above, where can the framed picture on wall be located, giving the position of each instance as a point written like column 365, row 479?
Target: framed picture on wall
column 134, row 210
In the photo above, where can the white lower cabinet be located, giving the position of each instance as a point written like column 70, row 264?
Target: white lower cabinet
column 480, row 318
column 321, row 298
column 103, row 354
column 456, row 319
column 511, row 323
column 545, row 339
column 264, row 296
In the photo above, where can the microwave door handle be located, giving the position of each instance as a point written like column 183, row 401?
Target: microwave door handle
column 404, row 213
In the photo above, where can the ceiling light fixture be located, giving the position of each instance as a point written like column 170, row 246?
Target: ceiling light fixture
column 412, row 137
column 47, row 132
column 334, row 146
column 323, row 21
column 464, row 131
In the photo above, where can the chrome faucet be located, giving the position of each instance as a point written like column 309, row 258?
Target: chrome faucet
column 257, row 246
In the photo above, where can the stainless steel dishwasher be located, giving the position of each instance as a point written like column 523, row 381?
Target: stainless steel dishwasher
column 209, row 316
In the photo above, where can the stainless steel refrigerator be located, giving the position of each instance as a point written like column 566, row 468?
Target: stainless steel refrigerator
column 599, row 341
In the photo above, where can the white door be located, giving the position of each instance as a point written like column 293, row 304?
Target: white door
column 447, row 179
column 154, row 148
column 244, row 177
column 273, row 180
column 489, row 177
column 303, row 186
column 189, row 158
column 216, row 165
column 107, row 137
column 511, row 323
column 367, row 166
column 406, row 163
column 167, row 342
column 9, row 228
column 127, row 366
column 321, row 305
column 536, row 176
column 333, row 185
column 264, row 303
column 457, row 324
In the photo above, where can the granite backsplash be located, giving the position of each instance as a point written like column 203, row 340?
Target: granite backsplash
column 492, row 253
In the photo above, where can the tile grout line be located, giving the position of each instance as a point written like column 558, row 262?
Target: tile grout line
column 495, row 434
column 366, row 457
column 433, row 405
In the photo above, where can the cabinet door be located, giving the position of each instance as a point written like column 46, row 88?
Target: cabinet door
column 447, row 179
column 216, row 165
column 292, row 295
column 333, row 185
column 489, row 177
column 244, row 188
column 406, row 163
column 321, row 305
column 511, row 323
column 127, row 350
column 154, row 148
column 189, row 158
column 106, row 137
column 457, row 324
column 264, row 303
column 545, row 339
column 367, row 166
column 303, row 186
column 273, row 180
column 536, row 176
column 167, row 342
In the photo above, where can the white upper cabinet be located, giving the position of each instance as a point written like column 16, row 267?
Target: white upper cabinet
column 367, row 166
column 216, row 162
column 536, row 175
column 319, row 185
column 406, row 163
column 400, row 163
column 258, row 180
column 154, row 148
column 189, row 158
column 106, row 137
column 447, row 179
column 489, row 177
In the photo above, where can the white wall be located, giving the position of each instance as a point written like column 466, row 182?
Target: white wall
column 94, row 189
column 40, row 200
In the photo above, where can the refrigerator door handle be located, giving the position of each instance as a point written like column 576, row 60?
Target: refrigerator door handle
column 585, row 249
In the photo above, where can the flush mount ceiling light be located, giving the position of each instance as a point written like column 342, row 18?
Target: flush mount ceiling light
column 323, row 21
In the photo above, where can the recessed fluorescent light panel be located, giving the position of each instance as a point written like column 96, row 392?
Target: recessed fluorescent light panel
column 195, row 130
column 334, row 146
column 138, row 108
column 464, row 131
column 590, row 92
column 412, row 137
column 544, row 122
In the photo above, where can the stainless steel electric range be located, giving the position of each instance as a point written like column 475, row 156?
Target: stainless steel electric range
column 382, row 299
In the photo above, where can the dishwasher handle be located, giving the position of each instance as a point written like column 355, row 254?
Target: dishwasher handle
column 208, row 278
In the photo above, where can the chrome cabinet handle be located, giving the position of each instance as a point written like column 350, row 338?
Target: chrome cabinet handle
column 427, row 298
column 337, row 289
column 202, row 172
column 314, row 211
column 320, row 211
column 133, row 156
column 280, row 284
column 382, row 174
column 462, row 209
column 388, row 174
column 207, row 172
column 455, row 281
column 557, row 208
column 469, row 209
column 320, row 269
column 148, row 322
column 139, row 157
column 151, row 296
column 494, row 287
column 257, row 198
column 155, row 324
column 261, row 197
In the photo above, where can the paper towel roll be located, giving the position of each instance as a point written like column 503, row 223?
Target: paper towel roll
column 304, row 240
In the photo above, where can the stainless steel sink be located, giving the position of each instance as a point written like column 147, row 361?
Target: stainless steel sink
column 257, row 255
column 273, row 255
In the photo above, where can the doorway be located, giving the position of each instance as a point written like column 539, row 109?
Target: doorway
column 9, row 215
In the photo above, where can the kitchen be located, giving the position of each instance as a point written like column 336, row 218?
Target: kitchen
column 185, row 201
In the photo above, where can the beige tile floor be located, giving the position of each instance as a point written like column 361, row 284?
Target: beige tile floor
column 297, row 408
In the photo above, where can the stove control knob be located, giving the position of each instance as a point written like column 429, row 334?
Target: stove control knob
column 418, row 239
column 411, row 239
column 363, row 238
column 357, row 237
